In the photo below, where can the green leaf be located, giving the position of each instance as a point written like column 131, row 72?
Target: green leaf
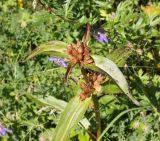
column 55, row 48
column 57, row 104
column 72, row 114
column 106, row 99
column 114, row 72
column 83, row 137
column 111, row 89
column 49, row 101
column 66, row 6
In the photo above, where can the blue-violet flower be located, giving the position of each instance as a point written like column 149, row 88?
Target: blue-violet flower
column 102, row 38
column 100, row 35
column 4, row 131
column 58, row 61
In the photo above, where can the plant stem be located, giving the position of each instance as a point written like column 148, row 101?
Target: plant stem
column 92, row 136
column 86, row 36
column 97, row 113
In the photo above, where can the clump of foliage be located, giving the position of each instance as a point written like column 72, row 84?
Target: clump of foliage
column 104, row 83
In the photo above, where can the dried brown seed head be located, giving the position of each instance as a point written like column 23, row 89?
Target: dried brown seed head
column 79, row 53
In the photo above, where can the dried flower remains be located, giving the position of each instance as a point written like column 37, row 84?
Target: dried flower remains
column 93, row 83
column 79, row 53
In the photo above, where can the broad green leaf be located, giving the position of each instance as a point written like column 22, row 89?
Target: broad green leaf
column 49, row 101
column 55, row 48
column 114, row 72
column 56, row 104
column 70, row 117
column 118, row 56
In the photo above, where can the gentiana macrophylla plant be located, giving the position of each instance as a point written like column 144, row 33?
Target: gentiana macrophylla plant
column 94, row 70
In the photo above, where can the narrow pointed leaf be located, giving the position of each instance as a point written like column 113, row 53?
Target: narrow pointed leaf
column 55, row 48
column 66, row 6
column 72, row 114
column 114, row 72
column 49, row 101
column 57, row 104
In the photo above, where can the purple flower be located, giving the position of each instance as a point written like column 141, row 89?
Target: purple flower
column 58, row 61
column 100, row 35
column 4, row 131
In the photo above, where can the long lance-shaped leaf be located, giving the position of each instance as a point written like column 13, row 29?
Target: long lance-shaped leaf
column 49, row 101
column 57, row 104
column 55, row 48
column 114, row 72
column 72, row 114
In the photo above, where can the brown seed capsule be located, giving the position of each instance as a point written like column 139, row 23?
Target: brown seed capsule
column 79, row 53
column 80, row 50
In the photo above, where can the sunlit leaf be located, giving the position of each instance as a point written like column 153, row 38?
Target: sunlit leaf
column 55, row 48
column 84, row 137
column 114, row 72
column 111, row 89
column 57, row 104
column 72, row 114
column 49, row 101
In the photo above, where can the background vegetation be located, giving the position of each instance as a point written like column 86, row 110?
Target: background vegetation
column 25, row 86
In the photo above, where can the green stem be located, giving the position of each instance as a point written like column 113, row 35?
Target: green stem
column 86, row 36
column 97, row 113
